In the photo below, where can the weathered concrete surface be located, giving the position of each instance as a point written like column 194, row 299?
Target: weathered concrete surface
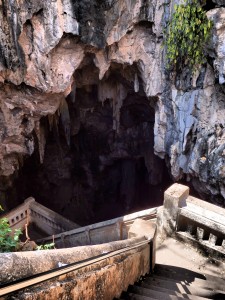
column 46, row 220
column 174, row 197
column 192, row 220
column 99, row 233
column 104, row 280
column 148, row 229
column 22, row 264
column 142, row 228
column 183, row 255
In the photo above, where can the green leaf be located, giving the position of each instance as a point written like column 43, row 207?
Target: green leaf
column 46, row 246
column 187, row 33
column 8, row 240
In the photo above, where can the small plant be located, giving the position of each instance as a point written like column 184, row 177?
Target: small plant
column 8, row 241
column 188, row 31
column 46, row 246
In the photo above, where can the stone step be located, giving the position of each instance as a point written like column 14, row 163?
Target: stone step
column 132, row 296
column 167, row 278
column 176, row 277
column 204, row 284
column 170, row 283
column 152, row 293
column 184, row 288
column 177, row 291
column 177, row 272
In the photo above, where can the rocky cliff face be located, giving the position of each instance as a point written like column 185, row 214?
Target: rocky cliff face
column 85, row 94
column 196, row 140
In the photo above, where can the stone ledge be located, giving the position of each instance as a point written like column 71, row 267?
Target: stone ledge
column 18, row 265
column 104, row 279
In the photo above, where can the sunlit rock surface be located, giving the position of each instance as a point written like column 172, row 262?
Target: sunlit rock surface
column 92, row 75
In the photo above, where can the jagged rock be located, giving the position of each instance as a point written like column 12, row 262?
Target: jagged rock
column 20, row 108
column 219, row 2
column 42, row 48
column 107, row 59
column 217, row 15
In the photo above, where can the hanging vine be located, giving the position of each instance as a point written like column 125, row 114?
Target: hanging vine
column 186, row 36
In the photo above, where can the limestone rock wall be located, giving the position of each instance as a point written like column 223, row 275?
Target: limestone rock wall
column 192, row 113
column 44, row 43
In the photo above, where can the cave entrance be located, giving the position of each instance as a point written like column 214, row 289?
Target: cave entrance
column 99, row 160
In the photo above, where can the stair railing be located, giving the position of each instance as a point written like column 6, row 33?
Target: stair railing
column 193, row 220
column 107, row 270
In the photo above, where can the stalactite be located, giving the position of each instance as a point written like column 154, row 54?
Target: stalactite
column 40, row 132
column 65, row 118
column 53, row 121
column 105, row 91
column 72, row 96
column 117, row 92
column 136, row 83
column 120, row 95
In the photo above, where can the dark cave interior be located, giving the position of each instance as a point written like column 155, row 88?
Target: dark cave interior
column 99, row 160
column 209, row 4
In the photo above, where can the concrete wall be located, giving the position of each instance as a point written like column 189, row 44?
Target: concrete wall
column 105, row 279
column 45, row 219
column 103, row 232
column 192, row 220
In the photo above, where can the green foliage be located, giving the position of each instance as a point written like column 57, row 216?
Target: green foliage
column 46, row 246
column 8, row 242
column 188, row 31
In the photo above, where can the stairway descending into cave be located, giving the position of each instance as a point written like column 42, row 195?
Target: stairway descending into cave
column 169, row 282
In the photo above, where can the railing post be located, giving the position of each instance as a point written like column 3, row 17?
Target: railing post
column 119, row 227
column 151, row 265
column 174, row 198
column 147, row 229
column 153, row 250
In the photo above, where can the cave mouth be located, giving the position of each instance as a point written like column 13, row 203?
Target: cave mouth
column 209, row 4
column 99, row 160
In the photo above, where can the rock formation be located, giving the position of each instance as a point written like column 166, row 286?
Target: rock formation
column 86, row 94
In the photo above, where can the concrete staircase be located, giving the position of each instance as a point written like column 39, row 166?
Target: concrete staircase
column 169, row 282
column 123, row 250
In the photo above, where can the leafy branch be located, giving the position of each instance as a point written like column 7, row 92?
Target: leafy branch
column 188, row 31
column 8, row 241
column 46, row 246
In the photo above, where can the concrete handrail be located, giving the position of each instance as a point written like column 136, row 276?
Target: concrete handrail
column 102, row 232
column 112, row 268
column 45, row 219
column 20, row 215
column 48, row 220
column 192, row 219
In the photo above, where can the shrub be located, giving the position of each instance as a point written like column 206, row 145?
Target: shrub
column 186, row 36
column 46, row 246
column 8, row 241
